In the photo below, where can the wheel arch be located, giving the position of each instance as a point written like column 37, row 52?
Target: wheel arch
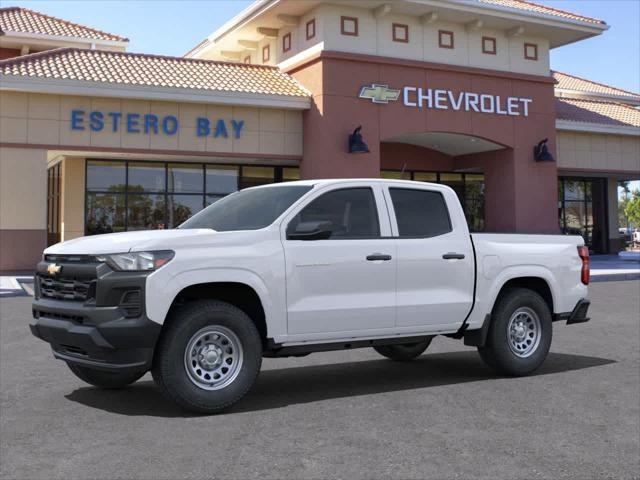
column 240, row 295
column 535, row 283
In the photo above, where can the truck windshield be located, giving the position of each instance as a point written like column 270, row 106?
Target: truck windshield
column 251, row 209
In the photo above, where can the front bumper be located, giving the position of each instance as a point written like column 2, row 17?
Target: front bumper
column 103, row 332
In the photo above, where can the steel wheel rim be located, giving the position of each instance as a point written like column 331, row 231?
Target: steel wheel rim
column 524, row 331
column 213, row 358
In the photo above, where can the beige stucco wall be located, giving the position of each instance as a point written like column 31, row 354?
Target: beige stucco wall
column 23, row 189
column 598, row 152
column 72, row 198
column 41, row 119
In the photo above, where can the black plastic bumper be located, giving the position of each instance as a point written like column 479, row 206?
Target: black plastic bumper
column 577, row 315
column 111, row 337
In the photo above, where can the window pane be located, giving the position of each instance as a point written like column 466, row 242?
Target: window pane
column 105, row 213
column 184, row 178
column 352, row 212
column 182, row 207
column 106, row 176
column 248, row 209
column 575, row 218
column 474, row 201
column 395, row 175
column 420, row 213
column 146, row 212
column 254, row 176
column 222, row 180
column 290, row 174
column 573, row 190
column 146, row 177
column 454, row 180
column 425, row 177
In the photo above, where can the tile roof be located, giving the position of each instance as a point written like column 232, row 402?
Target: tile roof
column 23, row 20
column 152, row 71
column 537, row 8
column 571, row 82
column 592, row 111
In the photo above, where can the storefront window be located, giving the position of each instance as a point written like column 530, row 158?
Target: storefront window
column 185, row 178
column 124, row 195
column 146, row 177
column 105, row 213
column 468, row 186
column 254, row 176
column 577, row 212
column 54, row 181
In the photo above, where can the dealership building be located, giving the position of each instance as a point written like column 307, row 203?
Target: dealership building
column 94, row 139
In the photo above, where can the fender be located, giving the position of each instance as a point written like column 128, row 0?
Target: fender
column 161, row 293
column 488, row 294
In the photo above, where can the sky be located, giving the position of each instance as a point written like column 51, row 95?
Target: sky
column 174, row 27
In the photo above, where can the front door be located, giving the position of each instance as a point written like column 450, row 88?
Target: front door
column 343, row 285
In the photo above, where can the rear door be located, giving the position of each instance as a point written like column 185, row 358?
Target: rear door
column 344, row 285
column 435, row 258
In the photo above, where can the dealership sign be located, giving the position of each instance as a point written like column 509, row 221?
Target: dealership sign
column 98, row 121
column 442, row 99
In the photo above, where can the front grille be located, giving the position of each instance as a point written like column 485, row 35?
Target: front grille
column 66, row 288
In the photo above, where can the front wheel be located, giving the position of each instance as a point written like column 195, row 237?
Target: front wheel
column 520, row 334
column 208, row 357
column 103, row 379
column 403, row 352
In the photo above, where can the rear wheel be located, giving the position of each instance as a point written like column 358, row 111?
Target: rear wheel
column 520, row 334
column 404, row 352
column 102, row 379
column 208, row 357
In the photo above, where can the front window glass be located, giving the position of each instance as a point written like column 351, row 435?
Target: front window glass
column 351, row 211
column 251, row 209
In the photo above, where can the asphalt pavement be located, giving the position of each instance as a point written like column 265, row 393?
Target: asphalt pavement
column 345, row 415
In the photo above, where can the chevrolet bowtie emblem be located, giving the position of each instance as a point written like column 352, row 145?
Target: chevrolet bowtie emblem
column 52, row 269
column 379, row 93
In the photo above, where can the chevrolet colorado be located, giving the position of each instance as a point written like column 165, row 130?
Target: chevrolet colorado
column 294, row 268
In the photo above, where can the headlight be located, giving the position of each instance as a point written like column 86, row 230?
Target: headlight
column 137, row 261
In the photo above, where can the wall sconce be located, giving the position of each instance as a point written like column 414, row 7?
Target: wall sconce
column 541, row 152
column 356, row 144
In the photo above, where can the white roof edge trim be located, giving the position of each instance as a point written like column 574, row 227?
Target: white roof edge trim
column 596, row 96
column 244, row 16
column 62, row 38
column 569, row 125
column 539, row 15
column 21, row 83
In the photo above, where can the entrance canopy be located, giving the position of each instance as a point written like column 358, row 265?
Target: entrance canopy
column 452, row 144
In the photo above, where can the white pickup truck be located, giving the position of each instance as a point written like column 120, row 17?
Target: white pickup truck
column 300, row 267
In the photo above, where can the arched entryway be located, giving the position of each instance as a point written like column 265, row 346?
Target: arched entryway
column 466, row 163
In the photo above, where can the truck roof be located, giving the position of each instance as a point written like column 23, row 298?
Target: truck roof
column 336, row 181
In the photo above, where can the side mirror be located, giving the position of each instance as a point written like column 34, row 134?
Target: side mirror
column 311, row 231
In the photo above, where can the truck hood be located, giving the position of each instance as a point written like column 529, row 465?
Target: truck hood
column 130, row 241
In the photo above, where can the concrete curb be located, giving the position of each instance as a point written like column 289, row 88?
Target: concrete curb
column 615, row 277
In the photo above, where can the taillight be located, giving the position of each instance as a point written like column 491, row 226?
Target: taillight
column 584, row 256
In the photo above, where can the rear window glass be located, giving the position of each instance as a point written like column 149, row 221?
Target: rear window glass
column 420, row 213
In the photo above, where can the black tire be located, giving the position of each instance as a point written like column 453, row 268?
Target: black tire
column 170, row 369
column 404, row 352
column 497, row 352
column 103, row 379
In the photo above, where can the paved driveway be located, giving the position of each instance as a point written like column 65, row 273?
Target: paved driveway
column 343, row 415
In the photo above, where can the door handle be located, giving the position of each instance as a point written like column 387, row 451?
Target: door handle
column 453, row 256
column 378, row 256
